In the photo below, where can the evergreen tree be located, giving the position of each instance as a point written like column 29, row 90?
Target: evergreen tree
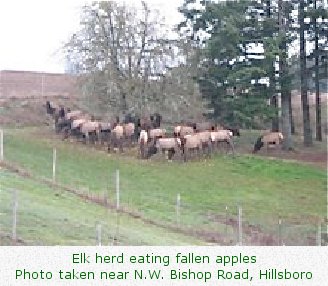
column 232, row 76
column 318, row 31
column 307, row 133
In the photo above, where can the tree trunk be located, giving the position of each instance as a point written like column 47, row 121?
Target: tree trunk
column 275, row 120
column 318, row 133
column 285, row 107
column 307, row 134
column 285, row 121
column 124, row 103
column 291, row 118
column 274, row 97
column 284, row 85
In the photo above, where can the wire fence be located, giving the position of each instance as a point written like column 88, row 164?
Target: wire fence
column 222, row 223
column 230, row 227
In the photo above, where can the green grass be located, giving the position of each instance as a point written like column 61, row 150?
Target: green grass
column 266, row 189
column 51, row 217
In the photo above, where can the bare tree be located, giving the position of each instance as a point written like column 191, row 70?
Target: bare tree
column 122, row 53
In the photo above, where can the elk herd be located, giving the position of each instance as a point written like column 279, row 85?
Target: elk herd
column 185, row 140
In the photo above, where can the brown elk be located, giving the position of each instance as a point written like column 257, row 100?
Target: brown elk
column 272, row 138
column 222, row 136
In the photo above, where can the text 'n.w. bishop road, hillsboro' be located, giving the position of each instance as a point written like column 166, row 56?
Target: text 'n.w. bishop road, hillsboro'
column 164, row 265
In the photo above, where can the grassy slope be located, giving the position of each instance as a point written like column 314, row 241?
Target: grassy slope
column 48, row 217
column 267, row 189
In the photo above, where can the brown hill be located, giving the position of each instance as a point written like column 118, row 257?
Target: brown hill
column 24, row 93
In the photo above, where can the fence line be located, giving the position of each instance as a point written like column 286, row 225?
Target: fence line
column 184, row 222
column 240, row 224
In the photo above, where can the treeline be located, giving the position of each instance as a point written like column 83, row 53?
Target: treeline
column 248, row 52
column 240, row 57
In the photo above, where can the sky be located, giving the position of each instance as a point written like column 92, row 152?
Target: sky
column 32, row 32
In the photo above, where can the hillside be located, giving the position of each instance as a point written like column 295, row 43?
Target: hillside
column 211, row 190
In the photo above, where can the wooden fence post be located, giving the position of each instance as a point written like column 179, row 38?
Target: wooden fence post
column 280, row 239
column 1, row 145
column 98, row 234
column 117, row 189
column 54, row 161
column 240, row 226
column 15, row 206
column 178, row 204
column 226, row 223
column 105, row 198
column 319, row 234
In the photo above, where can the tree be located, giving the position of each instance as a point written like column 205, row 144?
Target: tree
column 270, row 30
column 318, row 30
column 232, row 79
column 307, row 133
column 122, row 55
column 284, row 79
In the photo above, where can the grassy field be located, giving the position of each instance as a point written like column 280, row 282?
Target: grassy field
column 210, row 190
column 48, row 216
